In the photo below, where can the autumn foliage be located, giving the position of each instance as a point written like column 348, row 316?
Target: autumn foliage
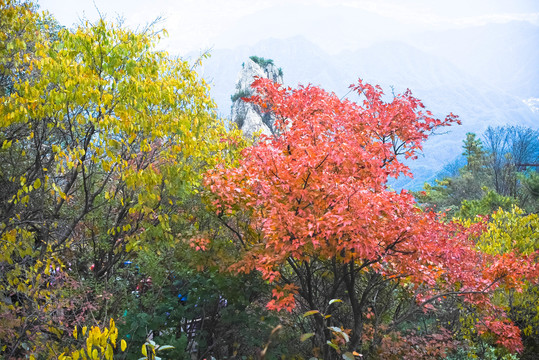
column 316, row 197
column 102, row 139
column 133, row 220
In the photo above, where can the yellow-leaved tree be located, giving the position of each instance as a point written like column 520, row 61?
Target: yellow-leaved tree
column 101, row 136
column 510, row 232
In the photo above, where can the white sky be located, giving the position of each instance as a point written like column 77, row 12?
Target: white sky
column 195, row 25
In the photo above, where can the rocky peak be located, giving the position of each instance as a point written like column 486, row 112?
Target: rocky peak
column 248, row 117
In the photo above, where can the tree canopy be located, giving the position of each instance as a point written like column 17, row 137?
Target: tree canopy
column 134, row 221
column 103, row 138
column 318, row 211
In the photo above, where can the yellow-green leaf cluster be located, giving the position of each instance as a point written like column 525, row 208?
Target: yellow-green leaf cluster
column 516, row 231
column 99, row 344
column 510, row 231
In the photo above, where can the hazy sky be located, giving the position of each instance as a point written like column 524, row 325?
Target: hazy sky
column 195, row 25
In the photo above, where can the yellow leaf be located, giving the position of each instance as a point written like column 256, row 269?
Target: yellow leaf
column 311, row 312
column 143, row 350
column 109, row 353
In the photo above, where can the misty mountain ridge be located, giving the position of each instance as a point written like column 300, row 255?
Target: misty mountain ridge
column 442, row 85
column 503, row 55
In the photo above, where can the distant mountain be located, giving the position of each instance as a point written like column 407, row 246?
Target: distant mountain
column 443, row 88
column 333, row 28
column 502, row 55
column 301, row 61
column 442, row 85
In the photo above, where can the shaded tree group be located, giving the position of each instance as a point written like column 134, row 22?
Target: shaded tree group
column 502, row 167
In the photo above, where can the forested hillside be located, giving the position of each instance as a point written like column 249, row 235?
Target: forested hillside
column 135, row 223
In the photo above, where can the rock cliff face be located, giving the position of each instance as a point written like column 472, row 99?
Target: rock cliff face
column 249, row 117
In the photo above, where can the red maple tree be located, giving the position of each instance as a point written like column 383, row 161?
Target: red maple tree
column 313, row 213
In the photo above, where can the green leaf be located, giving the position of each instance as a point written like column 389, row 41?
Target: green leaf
column 332, row 345
column 306, row 336
column 348, row 356
column 165, row 347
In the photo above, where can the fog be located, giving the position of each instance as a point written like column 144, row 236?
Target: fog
column 334, row 25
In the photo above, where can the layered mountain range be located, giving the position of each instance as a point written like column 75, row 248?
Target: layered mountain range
column 486, row 81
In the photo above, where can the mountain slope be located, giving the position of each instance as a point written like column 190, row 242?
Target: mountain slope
column 441, row 85
column 503, row 55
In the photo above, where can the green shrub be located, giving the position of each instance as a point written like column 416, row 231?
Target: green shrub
column 240, row 94
column 261, row 61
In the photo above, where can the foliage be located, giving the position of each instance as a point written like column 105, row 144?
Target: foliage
column 473, row 152
column 21, row 27
column 103, row 345
column 97, row 344
column 492, row 176
column 530, row 186
column 509, row 148
column 102, row 136
column 132, row 221
column 311, row 211
column 489, row 203
column 509, row 232
column 487, row 352
column 418, row 346
column 494, row 169
column 240, row 95
column 261, row 61
column 30, row 274
column 201, row 312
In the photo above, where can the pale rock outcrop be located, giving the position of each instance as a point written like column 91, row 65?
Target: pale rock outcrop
column 248, row 117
